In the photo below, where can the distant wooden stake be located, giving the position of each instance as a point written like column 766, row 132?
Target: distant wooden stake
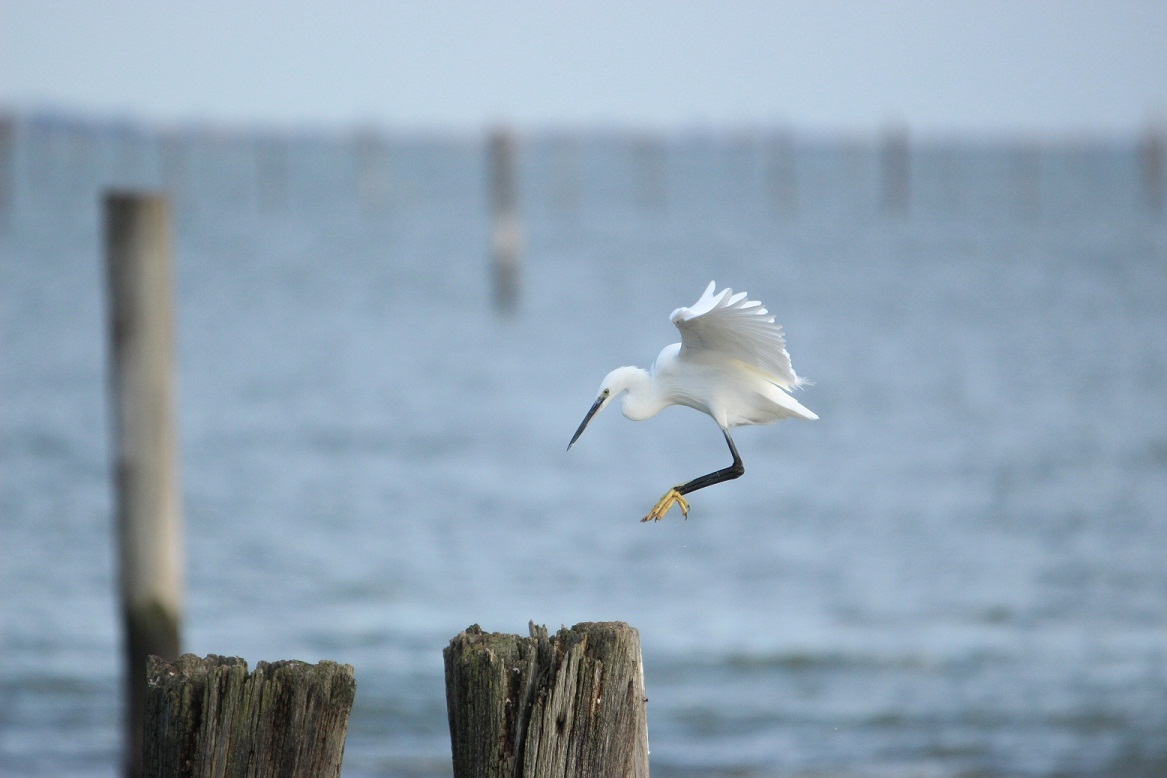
column 507, row 241
column 210, row 717
column 149, row 516
column 548, row 707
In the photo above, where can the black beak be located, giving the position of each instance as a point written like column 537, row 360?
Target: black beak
column 595, row 407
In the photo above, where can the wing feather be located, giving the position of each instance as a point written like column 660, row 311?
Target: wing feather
column 731, row 326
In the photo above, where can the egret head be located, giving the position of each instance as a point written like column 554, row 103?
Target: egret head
column 613, row 385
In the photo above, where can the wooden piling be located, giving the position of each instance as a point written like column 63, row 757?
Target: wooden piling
column 572, row 704
column 149, row 517
column 508, row 228
column 210, row 717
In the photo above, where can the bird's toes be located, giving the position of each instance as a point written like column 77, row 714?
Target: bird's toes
column 673, row 497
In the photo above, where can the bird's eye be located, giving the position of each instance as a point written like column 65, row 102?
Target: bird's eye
column 604, row 393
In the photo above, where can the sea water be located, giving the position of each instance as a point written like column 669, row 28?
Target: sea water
column 958, row 570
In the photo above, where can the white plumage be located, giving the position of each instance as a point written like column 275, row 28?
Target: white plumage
column 734, row 327
column 731, row 364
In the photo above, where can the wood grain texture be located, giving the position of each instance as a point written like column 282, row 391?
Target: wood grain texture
column 569, row 704
column 211, row 717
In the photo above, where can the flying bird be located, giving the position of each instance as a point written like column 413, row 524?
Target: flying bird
column 731, row 364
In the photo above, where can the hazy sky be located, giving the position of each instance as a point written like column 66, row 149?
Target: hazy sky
column 1063, row 67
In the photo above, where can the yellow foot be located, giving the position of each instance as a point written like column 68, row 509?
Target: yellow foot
column 671, row 498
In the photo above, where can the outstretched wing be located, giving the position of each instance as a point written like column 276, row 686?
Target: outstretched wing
column 728, row 325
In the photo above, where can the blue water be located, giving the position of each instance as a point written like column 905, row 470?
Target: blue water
column 958, row 570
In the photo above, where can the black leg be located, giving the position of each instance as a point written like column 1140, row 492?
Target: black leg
column 726, row 474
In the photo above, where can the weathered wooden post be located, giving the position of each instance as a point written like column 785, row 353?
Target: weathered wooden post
column 210, row 717
column 508, row 228
column 571, row 704
column 149, row 513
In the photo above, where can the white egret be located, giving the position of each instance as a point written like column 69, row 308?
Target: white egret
column 731, row 364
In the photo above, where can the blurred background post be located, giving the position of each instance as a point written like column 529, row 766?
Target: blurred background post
column 139, row 240
column 507, row 241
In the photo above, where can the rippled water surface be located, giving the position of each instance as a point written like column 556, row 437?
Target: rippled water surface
column 958, row 570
